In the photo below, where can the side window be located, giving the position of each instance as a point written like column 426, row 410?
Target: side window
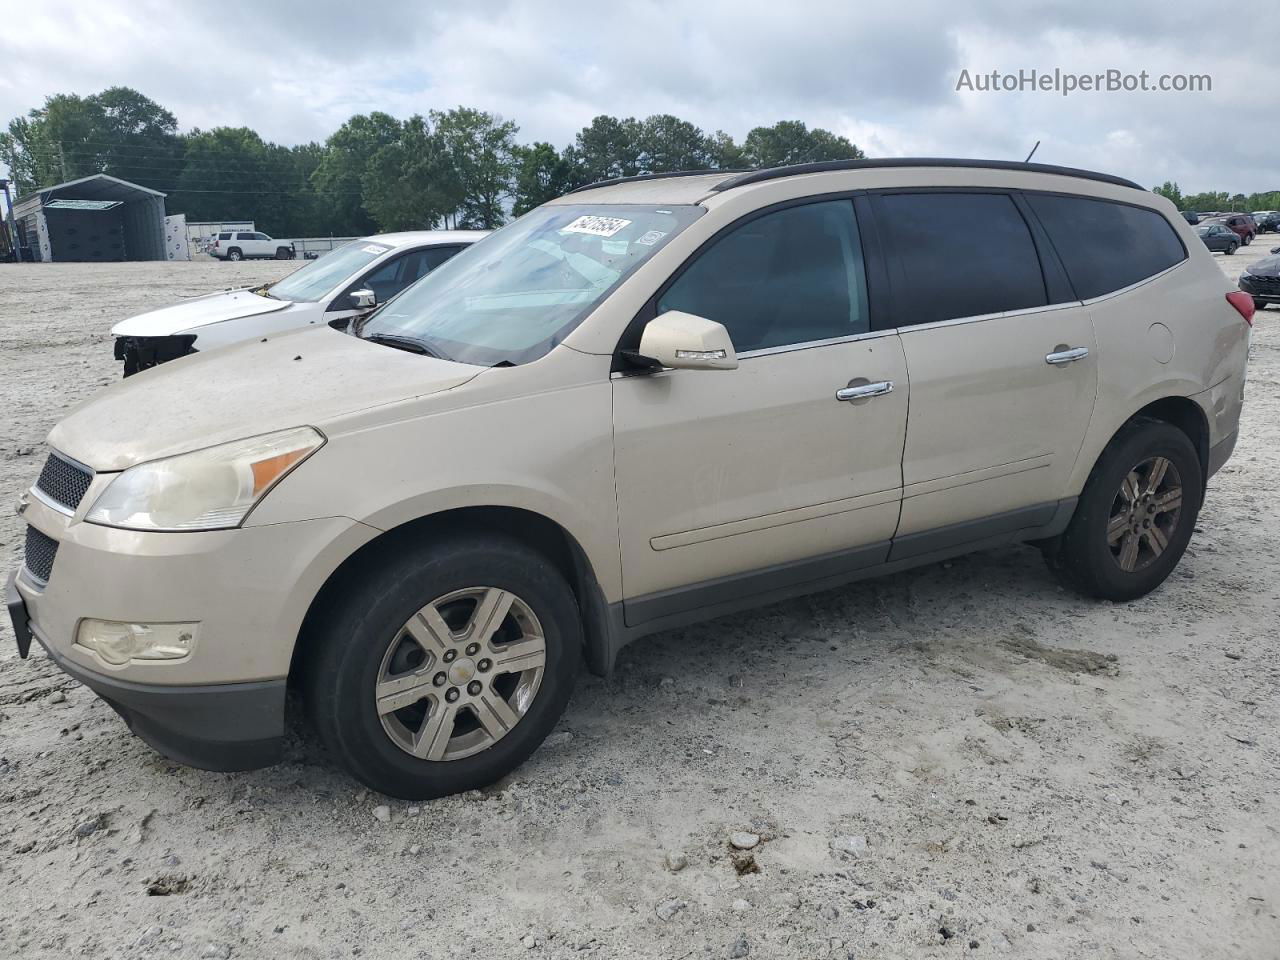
column 224, row 236
column 793, row 276
column 261, row 236
column 962, row 255
column 1104, row 245
column 244, row 236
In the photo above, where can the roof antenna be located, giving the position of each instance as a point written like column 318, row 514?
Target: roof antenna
column 1032, row 153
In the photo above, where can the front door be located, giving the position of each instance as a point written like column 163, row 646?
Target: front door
column 749, row 481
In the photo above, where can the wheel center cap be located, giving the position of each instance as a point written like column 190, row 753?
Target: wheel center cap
column 461, row 671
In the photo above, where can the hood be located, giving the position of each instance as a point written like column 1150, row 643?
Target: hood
column 303, row 377
column 1266, row 267
column 197, row 312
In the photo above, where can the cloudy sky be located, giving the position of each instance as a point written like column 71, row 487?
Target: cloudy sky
column 883, row 74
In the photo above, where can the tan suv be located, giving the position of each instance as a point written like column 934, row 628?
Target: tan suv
column 645, row 403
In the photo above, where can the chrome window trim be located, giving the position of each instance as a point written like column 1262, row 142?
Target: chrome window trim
column 956, row 321
column 1134, row 286
column 810, row 344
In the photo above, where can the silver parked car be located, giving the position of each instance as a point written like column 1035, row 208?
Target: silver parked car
column 643, row 404
column 342, row 284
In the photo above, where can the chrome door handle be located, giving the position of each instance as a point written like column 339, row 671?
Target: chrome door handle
column 865, row 391
column 1067, row 356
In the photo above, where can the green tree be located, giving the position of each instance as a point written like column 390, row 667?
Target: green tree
column 409, row 184
column 229, row 175
column 725, row 154
column 666, row 143
column 607, row 148
column 542, row 174
column 481, row 149
column 790, row 141
column 1170, row 191
column 339, row 177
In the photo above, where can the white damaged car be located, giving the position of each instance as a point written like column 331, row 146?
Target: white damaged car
column 344, row 283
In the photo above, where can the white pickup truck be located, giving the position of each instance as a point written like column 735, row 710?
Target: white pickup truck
column 250, row 245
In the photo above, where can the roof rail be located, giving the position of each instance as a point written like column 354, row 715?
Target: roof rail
column 640, row 178
column 825, row 166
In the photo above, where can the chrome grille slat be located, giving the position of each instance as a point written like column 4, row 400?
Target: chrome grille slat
column 64, row 482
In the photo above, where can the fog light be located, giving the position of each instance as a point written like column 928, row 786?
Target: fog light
column 118, row 643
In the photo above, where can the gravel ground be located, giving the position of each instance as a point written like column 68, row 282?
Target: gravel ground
column 958, row 761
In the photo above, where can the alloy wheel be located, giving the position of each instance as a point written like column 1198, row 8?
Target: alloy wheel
column 460, row 674
column 1144, row 514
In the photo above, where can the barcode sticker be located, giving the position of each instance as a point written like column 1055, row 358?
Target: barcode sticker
column 596, row 226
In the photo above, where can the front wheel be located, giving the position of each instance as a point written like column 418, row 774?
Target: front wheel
column 1231, row 248
column 1135, row 517
column 443, row 670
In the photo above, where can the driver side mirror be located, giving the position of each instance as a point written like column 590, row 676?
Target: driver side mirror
column 686, row 342
column 364, row 299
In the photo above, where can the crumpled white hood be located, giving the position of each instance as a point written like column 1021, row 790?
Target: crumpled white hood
column 197, row 312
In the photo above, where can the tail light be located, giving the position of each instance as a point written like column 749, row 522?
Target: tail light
column 1243, row 303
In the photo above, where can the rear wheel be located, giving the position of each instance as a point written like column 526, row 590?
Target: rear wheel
column 234, row 254
column 446, row 668
column 1135, row 516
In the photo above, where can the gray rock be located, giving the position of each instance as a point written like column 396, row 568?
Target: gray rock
column 852, row 846
column 216, row 951
column 740, row 948
column 57, row 697
column 149, row 935
column 741, row 905
column 89, row 827
column 530, row 941
column 828, row 911
column 415, row 849
column 668, row 909
column 675, row 862
column 557, row 740
column 741, row 840
column 382, row 813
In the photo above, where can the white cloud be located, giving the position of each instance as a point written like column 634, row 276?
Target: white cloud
column 883, row 74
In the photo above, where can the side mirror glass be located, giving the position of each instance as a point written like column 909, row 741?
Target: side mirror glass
column 363, row 299
column 687, row 342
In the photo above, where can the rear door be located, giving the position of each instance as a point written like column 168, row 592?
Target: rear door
column 744, row 482
column 1002, row 360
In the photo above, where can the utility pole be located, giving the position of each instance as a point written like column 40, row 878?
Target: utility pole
column 9, row 222
column 62, row 158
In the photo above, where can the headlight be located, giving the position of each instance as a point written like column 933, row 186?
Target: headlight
column 118, row 643
column 210, row 489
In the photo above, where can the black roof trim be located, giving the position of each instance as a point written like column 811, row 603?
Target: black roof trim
column 640, row 178
column 774, row 173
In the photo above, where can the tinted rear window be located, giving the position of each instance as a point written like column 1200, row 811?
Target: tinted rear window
column 224, row 236
column 1104, row 245
column 962, row 255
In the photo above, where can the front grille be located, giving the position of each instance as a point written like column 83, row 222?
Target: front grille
column 64, row 482
column 40, row 553
column 1251, row 281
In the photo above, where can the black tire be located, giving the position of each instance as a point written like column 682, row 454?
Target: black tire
column 1082, row 557
column 1259, row 304
column 1231, row 248
column 1248, row 240
column 234, row 254
column 283, row 253
column 345, row 655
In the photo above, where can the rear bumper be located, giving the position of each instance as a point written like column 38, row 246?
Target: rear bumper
column 222, row 726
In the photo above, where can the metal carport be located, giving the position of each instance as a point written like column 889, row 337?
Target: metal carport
column 99, row 217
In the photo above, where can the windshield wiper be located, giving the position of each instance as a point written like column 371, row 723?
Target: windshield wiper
column 411, row 344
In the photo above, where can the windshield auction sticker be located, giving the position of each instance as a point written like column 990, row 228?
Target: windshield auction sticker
column 374, row 248
column 596, row 226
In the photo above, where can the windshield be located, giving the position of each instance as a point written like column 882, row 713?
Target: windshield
column 318, row 278
column 516, row 294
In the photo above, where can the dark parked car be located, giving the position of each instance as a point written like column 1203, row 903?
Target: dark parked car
column 1218, row 237
column 1261, row 280
column 1190, row 216
column 1241, row 223
column 1267, row 220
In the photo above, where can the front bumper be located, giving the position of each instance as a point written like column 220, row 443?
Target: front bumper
column 224, row 726
column 1261, row 288
column 221, row 707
